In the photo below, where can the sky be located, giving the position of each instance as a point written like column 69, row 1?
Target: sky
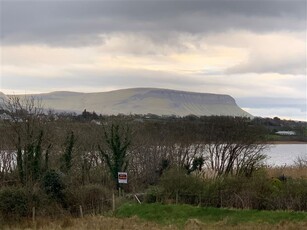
column 253, row 50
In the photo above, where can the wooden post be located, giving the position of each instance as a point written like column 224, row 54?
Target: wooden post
column 81, row 211
column 33, row 214
column 199, row 200
column 119, row 192
column 113, row 202
column 138, row 200
column 101, row 209
column 177, row 197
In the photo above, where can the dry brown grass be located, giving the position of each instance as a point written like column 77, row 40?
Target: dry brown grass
column 112, row 223
column 89, row 223
column 293, row 171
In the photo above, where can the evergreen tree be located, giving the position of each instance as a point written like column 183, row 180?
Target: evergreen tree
column 67, row 156
column 117, row 142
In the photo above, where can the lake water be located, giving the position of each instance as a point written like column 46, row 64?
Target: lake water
column 285, row 154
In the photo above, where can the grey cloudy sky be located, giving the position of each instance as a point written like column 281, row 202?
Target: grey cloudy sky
column 253, row 50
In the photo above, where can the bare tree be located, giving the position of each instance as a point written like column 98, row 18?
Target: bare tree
column 233, row 146
column 25, row 126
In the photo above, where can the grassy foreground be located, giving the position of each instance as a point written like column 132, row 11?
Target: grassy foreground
column 158, row 216
column 179, row 215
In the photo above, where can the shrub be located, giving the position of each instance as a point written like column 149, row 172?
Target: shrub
column 238, row 192
column 176, row 184
column 13, row 203
column 291, row 195
column 93, row 198
column 153, row 194
column 53, row 184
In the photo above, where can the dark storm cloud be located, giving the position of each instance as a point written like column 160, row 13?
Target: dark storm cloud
column 80, row 22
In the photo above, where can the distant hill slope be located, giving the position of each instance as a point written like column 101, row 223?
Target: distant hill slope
column 2, row 98
column 2, row 95
column 144, row 101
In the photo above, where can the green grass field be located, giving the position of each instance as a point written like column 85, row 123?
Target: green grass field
column 180, row 214
column 172, row 217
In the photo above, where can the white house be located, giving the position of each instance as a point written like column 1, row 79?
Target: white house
column 286, row 133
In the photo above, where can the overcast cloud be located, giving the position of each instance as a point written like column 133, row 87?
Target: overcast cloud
column 252, row 50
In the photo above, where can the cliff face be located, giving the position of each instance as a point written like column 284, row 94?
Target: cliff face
column 2, row 95
column 144, row 101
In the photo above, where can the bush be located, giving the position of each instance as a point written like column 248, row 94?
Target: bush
column 176, row 184
column 13, row 203
column 291, row 195
column 255, row 192
column 93, row 198
column 238, row 192
column 53, row 184
column 153, row 194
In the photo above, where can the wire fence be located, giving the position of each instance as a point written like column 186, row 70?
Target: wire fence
column 95, row 207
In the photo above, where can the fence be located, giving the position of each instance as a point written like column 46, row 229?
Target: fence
column 93, row 208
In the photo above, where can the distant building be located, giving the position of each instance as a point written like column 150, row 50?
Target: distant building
column 5, row 116
column 95, row 122
column 286, row 133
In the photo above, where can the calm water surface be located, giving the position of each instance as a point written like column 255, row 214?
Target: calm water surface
column 285, row 154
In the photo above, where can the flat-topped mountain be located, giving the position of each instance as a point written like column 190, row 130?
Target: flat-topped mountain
column 144, row 101
column 2, row 95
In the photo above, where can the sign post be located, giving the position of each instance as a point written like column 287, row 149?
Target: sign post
column 122, row 178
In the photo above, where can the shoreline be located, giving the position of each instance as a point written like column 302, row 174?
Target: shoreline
column 286, row 142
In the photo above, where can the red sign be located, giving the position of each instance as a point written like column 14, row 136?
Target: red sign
column 122, row 178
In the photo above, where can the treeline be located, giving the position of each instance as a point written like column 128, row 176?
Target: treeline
column 271, row 125
column 56, row 162
column 255, row 192
column 33, row 143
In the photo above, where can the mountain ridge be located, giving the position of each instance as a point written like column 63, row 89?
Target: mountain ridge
column 144, row 101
